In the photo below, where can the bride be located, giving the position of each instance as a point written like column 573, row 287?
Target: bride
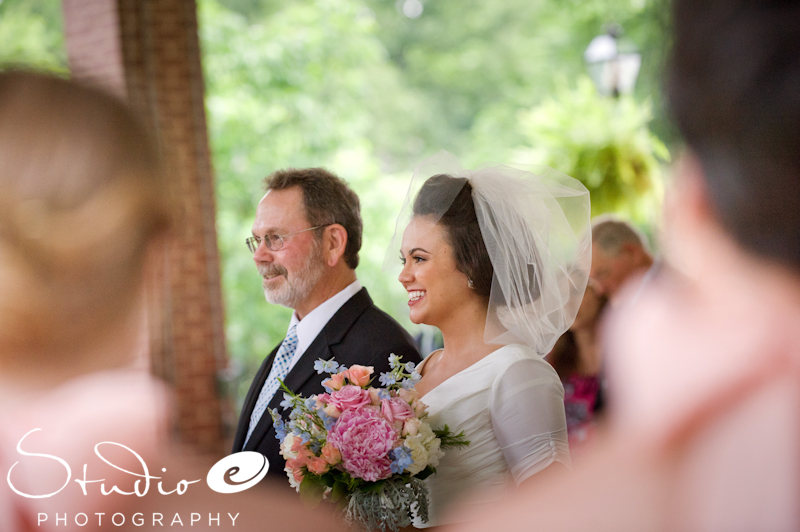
column 498, row 260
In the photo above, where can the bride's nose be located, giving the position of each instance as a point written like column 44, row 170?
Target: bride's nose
column 405, row 275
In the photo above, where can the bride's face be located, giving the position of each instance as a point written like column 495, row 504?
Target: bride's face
column 435, row 287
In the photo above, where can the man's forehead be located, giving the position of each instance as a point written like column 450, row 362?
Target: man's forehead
column 279, row 208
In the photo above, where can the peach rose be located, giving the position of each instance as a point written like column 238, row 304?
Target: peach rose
column 317, row 465
column 332, row 411
column 359, row 375
column 336, row 381
column 411, row 427
column 331, row 454
column 374, row 396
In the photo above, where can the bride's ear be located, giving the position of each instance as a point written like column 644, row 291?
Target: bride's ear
column 334, row 244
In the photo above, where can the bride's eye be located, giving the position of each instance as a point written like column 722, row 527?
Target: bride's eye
column 417, row 258
column 402, row 260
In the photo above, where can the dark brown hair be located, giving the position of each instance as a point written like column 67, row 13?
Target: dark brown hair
column 733, row 92
column 449, row 200
column 327, row 200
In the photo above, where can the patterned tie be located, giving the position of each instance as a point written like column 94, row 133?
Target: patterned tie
column 279, row 370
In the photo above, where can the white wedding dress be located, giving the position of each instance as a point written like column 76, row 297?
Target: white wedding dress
column 510, row 405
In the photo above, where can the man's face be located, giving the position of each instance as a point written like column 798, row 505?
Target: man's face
column 609, row 272
column 290, row 274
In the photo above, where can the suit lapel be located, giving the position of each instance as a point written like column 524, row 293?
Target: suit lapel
column 251, row 398
column 303, row 371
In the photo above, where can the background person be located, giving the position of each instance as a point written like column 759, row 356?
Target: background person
column 577, row 358
column 705, row 433
column 83, row 218
column 619, row 255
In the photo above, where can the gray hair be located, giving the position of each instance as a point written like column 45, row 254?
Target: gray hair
column 610, row 233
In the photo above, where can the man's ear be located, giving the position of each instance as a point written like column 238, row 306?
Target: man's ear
column 334, row 243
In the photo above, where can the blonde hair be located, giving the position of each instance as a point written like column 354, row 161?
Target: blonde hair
column 83, row 196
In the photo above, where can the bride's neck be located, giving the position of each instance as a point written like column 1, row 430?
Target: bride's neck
column 462, row 334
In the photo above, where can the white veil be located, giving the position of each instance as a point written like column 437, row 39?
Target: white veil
column 537, row 231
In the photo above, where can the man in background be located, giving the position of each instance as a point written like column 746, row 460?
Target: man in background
column 619, row 255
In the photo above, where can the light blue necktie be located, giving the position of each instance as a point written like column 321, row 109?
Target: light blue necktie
column 279, row 370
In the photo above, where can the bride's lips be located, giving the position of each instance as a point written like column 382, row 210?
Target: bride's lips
column 415, row 296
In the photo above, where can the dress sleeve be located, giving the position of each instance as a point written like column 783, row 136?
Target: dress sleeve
column 527, row 409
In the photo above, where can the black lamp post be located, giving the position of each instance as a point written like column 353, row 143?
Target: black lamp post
column 614, row 71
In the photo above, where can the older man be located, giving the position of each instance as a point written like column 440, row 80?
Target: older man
column 619, row 255
column 305, row 243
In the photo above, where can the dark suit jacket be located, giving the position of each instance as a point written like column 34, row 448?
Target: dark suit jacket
column 359, row 333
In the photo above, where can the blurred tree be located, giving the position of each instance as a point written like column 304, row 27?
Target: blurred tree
column 603, row 142
column 301, row 84
column 31, row 35
column 367, row 91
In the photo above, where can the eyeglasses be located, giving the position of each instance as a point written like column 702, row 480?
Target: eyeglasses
column 274, row 241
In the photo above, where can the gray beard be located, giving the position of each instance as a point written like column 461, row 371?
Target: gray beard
column 298, row 287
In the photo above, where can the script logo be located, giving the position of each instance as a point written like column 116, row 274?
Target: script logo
column 237, row 472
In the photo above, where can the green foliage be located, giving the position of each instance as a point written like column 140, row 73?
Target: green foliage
column 603, row 142
column 31, row 36
column 359, row 88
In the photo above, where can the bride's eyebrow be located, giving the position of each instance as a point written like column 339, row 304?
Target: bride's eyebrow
column 419, row 249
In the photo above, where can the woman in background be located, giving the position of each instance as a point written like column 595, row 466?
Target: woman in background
column 577, row 358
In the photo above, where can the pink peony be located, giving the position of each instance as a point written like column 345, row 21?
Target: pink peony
column 396, row 409
column 364, row 438
column 349, row 397
column 359, row 375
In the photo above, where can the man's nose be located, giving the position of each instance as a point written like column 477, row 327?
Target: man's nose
column 263, row 253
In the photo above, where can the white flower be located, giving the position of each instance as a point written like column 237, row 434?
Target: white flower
column 418, row 453
column 286, row 447
column 292, row 482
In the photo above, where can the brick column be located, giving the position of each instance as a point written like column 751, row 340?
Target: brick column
column 147, row 51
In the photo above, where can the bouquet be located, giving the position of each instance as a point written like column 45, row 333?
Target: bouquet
column 365, row 447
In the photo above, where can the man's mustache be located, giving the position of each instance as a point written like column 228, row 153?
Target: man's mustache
column 272, row 270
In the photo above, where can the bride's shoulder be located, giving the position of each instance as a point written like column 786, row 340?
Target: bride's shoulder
column 514, row 357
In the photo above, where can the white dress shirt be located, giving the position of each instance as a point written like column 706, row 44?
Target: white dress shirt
column 309, row 327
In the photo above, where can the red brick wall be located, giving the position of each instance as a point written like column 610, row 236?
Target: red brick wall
column 148, row 51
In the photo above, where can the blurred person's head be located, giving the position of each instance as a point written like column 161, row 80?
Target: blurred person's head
column 306, row 237
column 589, row 312
column 734, row 91
column 618, row 251
column 83, row 198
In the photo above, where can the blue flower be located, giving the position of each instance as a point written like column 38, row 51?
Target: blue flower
column 311, row 403
column 287, row 401
column 327, row 420
column 315, row 446
column 394, row 361
column 407, row 383
column 401, row 459
column 280, row 429
column 305, row 436
column 387, row 379
column 383, row 394
column 410, row 366
column 327, row 366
